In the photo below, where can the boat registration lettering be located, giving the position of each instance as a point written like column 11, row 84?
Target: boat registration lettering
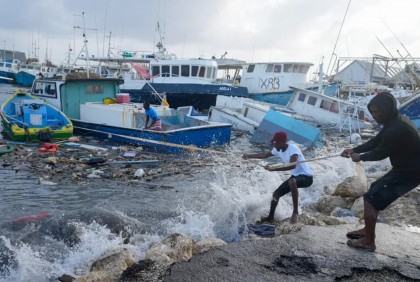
column 224, row 88
column 270, row 83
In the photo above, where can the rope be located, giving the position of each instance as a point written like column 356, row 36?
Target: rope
column 276, row 166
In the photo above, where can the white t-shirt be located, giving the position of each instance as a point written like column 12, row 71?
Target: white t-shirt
column 292, row 149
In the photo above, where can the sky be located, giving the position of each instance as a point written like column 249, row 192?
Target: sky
column 249, row 30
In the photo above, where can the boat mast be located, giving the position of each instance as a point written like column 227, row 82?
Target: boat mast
column 85, row 45
column 328, row 73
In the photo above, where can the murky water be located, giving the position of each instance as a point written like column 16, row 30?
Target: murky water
column 46, row 231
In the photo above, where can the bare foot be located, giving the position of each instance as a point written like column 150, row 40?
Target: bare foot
column 362, row 244
column 356, row 234
column 294, row 218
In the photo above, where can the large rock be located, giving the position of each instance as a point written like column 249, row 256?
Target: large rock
column 114, row 262
column 328, row 203
column 175, row 247
column 352, row 187
column 144, row 270
column 206, row 244
column 358, row 207
column 96, row 276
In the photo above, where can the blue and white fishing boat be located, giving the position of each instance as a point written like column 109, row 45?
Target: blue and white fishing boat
column 411, row 108
column 9, row 69
column 91, row 106
column 184, row 82
column 27, row 74
column 270, row 82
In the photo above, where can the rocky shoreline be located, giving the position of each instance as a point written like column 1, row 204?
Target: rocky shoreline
column 313, row 249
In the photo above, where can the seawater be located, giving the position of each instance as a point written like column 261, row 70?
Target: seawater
column 82, row 217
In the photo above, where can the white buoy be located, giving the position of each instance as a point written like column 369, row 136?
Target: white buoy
column 355, row 138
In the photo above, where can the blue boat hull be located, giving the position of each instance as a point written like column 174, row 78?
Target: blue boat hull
column 412, row 110
column 298, row 131
column 200, row 96
column 25, row 79
column 7, row 74
column 162, row 141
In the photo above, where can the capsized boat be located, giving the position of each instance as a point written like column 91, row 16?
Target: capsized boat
column 25, row 117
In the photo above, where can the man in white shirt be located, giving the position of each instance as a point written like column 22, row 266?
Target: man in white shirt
column 302, row 175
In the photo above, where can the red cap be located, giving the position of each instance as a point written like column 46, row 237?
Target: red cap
column 279, row 136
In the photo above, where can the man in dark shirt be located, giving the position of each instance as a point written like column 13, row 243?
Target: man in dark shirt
column 400, row 141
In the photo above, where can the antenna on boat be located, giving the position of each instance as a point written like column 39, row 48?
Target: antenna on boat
column 161, row 53
column 85, row 46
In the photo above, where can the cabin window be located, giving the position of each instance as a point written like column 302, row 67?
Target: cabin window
column 302, row 97
column 311, row 100
column 202, row 71
column 277, row 68
column 1, row 64
column 214, row 73
column 185, row 70
column 304, row 69
column 94, row 89
column 165, row 71
column 325, row 105
column 334, row 107
column 251, row 68
column 288, row 68
column 44, row 89
column 175, row 71
column 156, row 70
column 208, row 74
column 194, row 70
column 8, row 65
column 269, row 68
column 329, row 106
column 296, row 68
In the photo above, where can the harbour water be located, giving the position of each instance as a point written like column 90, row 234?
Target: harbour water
column 47, row 231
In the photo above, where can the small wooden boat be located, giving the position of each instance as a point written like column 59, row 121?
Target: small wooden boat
column 25, row 117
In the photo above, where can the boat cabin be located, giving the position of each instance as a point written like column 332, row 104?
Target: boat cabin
column 273, row 77
column 328, row 110
column 175, row 71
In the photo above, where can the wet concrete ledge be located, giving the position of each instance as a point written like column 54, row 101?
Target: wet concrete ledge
column 312, row 254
